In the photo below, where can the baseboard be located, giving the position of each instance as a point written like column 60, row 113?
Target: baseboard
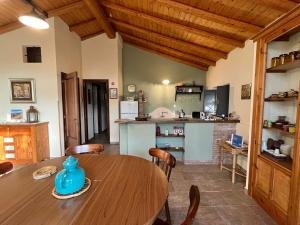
column 114, row 142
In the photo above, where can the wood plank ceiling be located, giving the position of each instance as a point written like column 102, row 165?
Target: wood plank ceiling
column 194, row 32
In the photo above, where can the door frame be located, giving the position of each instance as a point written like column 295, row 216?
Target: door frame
column 96, row 81
column 65, row 76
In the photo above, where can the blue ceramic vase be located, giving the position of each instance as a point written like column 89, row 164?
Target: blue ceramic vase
column 71, row 179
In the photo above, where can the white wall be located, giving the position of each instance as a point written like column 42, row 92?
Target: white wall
column 68, row 60
column 101, row 60
column 61, row 52
column 236, row 70
column 45, row 75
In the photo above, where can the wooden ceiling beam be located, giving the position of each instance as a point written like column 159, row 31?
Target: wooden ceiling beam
column 201, row 56
column 205, row 34
column 167, row 50
column 165, row 55
column 280, row 5
column 91, row 35
column 197, row 48
column 66, row 9
column 79, row 26
column 222, row 20
column 101, row 17
column 10, row 27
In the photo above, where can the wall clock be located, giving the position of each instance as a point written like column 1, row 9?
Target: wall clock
column 131, row 88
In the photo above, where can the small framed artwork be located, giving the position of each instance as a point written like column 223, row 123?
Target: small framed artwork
column 22, row 90
column 246, row 91
column 16, row 115
column 113, row 93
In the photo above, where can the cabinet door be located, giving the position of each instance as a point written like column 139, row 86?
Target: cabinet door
column 281, row 190
column 263, row 177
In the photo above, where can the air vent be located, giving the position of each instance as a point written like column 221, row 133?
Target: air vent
column 32, row 54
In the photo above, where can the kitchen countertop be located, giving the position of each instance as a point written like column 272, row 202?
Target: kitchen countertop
column 173, row 120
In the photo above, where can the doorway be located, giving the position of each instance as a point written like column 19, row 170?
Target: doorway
column 96, row 111
column 71, row 109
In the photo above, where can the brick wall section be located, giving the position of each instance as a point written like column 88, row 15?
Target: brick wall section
column 222, row 131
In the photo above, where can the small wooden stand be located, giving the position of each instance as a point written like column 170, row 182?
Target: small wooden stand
column 228, row 148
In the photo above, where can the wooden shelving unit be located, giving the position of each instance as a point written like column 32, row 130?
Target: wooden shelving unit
column 285, row 67
column 280, row 130
column 274, row 183
column 189, row 90
column 284, row 163
column 281, row 99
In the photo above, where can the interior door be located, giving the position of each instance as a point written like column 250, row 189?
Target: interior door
column 71, row 108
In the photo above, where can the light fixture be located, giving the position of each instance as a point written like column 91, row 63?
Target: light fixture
column 36, row 19
column 165, row 82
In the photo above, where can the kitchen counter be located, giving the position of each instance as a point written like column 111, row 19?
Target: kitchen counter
column 197, row 145
column 174, row 120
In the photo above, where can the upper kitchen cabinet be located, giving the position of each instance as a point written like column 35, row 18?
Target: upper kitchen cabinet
column 275, row 156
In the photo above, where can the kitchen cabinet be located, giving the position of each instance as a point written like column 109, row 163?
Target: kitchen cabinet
column 24, row 142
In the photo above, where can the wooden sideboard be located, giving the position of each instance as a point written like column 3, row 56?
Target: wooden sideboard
column 24, row 142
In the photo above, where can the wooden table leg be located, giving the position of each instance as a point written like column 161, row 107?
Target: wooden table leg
column 234, row 161
column 221, row 158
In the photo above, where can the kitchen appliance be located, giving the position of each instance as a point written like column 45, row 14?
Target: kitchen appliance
column 181, row 114
column 196, row 115
column 129, row 110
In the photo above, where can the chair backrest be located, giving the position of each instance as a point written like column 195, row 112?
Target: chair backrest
column 85, row 149
column 165, row 160
column 5, row 167
column 194, row 204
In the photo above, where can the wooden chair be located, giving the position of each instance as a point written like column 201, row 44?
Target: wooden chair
column 194, row 204
column 5, row 167
column 85, row 149
column 166, row 162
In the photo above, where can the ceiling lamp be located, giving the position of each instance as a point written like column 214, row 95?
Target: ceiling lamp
column 165, row 82
column 36, row 19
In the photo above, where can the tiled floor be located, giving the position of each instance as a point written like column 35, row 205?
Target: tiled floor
column 221, row 202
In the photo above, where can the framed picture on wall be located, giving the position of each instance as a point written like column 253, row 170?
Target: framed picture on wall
column 22, row 90
column 113, row 93
column 246, row 91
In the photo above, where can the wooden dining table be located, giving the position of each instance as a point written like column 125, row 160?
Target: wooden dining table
column 125, row 190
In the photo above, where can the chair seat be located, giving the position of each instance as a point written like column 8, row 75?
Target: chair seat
column 160, row 222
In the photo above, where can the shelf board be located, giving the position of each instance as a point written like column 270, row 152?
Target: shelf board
column 173, row 149
column 284, row 163
column 280, row 130
column 170, row 135
column 281, row 99
column 285, row 67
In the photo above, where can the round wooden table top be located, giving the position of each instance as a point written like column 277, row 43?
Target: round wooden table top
column 125, row 190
